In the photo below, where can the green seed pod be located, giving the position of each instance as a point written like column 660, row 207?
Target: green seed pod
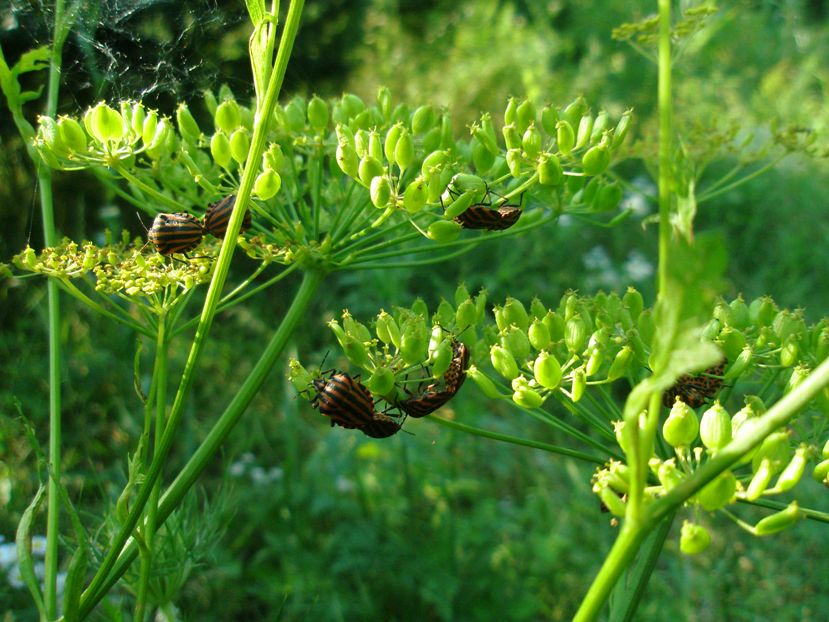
column 267, row 184
column 524, row 115
column 762, row 311
column 355, row 351
column 404, row 151
column 71, row 134
column 668, row 475
column 732, row 342
column 465, row 315
column 486, row 385
column 793, row 471
column 515, row 341
column 414, row 342
column 715, row 427
column 596, row 160
column 480, row 304
column 547, row 371
column 574, row 111
column 785, row 325
column 612, row 501
column 634, row 302
column 361, row 139
column 380, row 191
column 459, row 205
column 607, row 197
column 645, row 326
column 187, row 126
column 514, row 162
column 527, row 398
column 555, row 324
column 368, row 169
column 423, row 119
column 821, row 472
column 739, row 313
column 789, row 352
column 693, row 538
column 227, row 117
column 515, row 313
column 822, row 344
column 760, row 480
column 512, row 139
column 739, row 365
column 575, row 334
column 585, row 130
column 531, row 142
column 414, row 197
column 443, row 231
column 384, row 102
column 387, row 329
column 779, row 520
column 390, row 144
column 137, row 118
column 594, row 361
column 461, row 294
column 300, row 378
column 381, row 381
column 599, row 126
column 348, row 160
column 565, row 137
column 295, row 113
column 375, row 146
column 433, row 162
column 482, row 158
column 620, row 364
column 539, row 335
column 799, row 374
column 105, row 124
column 537, row 309
column 682, row 426
column 549, row 170
column 503, row 362
column 621, row 129
column 549, row 118
column 775, row 448
column 161, row 141
column 579, row 384
column 441, row 358
column 318, row 116
column 148, row 128
column 719, row 492
column 239, row 145
column 510, row 113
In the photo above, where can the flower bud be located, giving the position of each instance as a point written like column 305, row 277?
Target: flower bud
column 239, row 145
column 503, row 362
column 514, row 340
column 565, row 137
column 596, row 160
column 549, row 170
column 682, row 426
column 443, row 231
column 585, row 130
column 693, row 538
column 484, row 383
column 719, row 492
column 318, row 119
column 380, row 191
column 539, row 335
column 524, row 115
column 620, row 364
column 715, row 427
column 779, row 520
column 348, row 160
column 547, row 371
column 227, row 117
column 368, row 169
column 404, row 152
column 267, row 184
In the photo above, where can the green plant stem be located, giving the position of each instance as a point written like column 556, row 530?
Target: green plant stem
column 312, row 278
column 711, row 193
column 516, row 440
column 665, row 142
column 211, row 302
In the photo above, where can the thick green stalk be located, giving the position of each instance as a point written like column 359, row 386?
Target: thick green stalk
column 211, row 302
column 665, row 141
column 312, row 279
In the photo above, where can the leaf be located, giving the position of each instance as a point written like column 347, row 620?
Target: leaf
column 33, row 60
column 682, row 220
column 76, row 572
column 260, row 60
column 256, row 11
column 24, row 551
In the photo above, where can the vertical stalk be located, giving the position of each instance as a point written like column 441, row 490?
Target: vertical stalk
column 665, row 141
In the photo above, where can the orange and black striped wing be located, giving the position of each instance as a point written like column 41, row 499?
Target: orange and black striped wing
column 175, row 233
column 456, row 374
column 425, row 403
column 481, row 216
column 345, row 400
column 218, row 215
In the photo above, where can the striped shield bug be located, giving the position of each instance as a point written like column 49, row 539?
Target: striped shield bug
column 482, row 216
column 218, row 215
column 696, row 390
column 175, row 233
column 381, row 426
column 344, row 399
column 426, row 403
column 456, row 374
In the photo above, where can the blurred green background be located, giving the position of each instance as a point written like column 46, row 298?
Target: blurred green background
column 304, row 522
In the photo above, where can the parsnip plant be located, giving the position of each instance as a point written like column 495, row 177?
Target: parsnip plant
column 344, row 185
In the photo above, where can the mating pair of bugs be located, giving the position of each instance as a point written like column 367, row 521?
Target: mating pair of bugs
column 182, row 232
column 349, row 404
column 696, row 390
column 483, row 216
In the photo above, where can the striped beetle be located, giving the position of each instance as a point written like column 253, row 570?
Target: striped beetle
column 695, row 390
column 175, row 233
column 431, row 399
column 456, row 374
column 381, row 426
column 481, row 216
column 345, row 400
column 218, row 215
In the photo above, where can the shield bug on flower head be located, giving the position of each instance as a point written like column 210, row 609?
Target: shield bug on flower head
column 482, row 216
column 425, row 403
column 175, row 233
column 218, row 215
column 695, row 390
column 381, row 426
column 456, row 374
column 344, row 399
